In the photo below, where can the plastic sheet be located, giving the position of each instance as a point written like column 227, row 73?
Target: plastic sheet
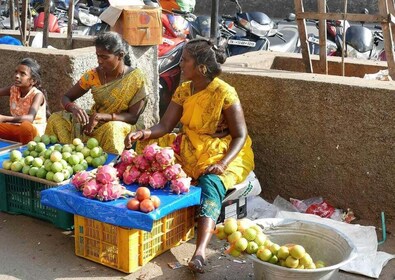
column 68, row 199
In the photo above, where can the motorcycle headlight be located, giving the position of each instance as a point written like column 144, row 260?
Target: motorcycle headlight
column 260, row 29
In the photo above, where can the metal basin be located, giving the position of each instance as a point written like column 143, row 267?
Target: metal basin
column 320, row 241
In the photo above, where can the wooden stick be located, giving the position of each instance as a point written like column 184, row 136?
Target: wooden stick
column 303, row 38
column 46, row 23
column 344, row 38
column 322, row 34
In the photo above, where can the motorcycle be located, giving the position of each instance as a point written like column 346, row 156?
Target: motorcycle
column 169, row 57
column 254, row 31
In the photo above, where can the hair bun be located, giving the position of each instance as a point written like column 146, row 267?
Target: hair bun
column 220, row 54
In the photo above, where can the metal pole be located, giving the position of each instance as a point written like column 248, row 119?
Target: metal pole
column 70, row 25
column 46, row 23
column 214, row 21
column 12, row 14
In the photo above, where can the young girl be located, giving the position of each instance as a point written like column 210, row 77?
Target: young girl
column 27, row 104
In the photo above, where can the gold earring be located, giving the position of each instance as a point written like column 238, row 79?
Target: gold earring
column 204, row 70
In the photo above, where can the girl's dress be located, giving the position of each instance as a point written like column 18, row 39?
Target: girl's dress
column 19, row 106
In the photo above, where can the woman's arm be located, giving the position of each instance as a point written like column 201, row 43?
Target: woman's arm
column 234, row 117
column 37, row 101
column 166, row 125
column 67, row 101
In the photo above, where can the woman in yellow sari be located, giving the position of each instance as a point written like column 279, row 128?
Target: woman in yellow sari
column 214, row 147
column 119, row 97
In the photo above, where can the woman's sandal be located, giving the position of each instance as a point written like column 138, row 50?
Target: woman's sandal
column 196, row 264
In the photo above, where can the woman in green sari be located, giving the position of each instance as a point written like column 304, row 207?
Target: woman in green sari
column 119, row 95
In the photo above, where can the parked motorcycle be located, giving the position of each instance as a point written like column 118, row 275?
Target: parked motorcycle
column 169, row 57
column 256, row 31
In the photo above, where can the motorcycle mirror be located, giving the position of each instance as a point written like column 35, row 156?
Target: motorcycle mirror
column 366, row 12
column 290, row 17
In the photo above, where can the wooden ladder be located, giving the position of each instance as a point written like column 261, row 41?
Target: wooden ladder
column 385, row 17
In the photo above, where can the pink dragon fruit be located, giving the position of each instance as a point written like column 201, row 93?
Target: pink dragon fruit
column 157, row 180
column 144, row 178
column 156, row 166
column 180, row 185
column 131, row 174
column 165, row 157
column 174, row 171
column 80, row 178
column 128, row 155
column 141, row 162
column 90, row 189
column 121, row 167
column 150, row 151
column 106, row 174
column 110, row 191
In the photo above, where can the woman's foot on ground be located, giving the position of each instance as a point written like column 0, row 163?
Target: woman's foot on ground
column 196, row 264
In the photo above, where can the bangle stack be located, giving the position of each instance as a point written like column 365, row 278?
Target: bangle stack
column 69, row 106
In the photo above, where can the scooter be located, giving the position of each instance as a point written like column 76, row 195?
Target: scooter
column 169, row 57
column 256, row 31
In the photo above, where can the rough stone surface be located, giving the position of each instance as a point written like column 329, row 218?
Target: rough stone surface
column 61, row 69
column 320, row 135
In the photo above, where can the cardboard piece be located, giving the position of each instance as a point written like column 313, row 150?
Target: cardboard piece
column 138, row 24
column 250, row 187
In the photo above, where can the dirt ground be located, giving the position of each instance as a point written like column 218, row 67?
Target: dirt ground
column 35, row 249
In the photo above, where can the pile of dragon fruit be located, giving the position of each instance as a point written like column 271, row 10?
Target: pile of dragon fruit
column 102, row 184
column 155, row 167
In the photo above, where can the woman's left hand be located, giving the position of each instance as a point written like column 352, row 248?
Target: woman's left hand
column 217, row 169
column 93, row 121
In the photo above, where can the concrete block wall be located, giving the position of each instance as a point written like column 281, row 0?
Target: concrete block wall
column 317, row 135
column 61, row 69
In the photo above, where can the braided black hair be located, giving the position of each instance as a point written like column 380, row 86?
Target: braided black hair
column 113, row 43
column 35, row 72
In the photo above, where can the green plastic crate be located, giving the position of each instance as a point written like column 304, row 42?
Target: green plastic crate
column 22, row 196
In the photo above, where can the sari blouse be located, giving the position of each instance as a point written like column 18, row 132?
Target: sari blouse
column 115, row 96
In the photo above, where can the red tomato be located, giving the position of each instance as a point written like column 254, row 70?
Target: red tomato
column 133, row 204
column 142, row 193
column 155, row 200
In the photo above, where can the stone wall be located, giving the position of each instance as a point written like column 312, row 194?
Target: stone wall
column 61, row 69
column 317, row 135
column 280, row 8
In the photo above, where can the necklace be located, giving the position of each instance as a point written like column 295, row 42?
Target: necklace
column 116, row 77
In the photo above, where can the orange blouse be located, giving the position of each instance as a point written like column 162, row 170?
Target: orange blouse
column 20, row 106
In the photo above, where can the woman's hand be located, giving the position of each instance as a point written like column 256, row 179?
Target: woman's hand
column 93, row 121
column 80, row 115
column 133, row 137
column 217, row 168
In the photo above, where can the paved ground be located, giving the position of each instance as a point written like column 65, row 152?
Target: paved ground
column 34, row 249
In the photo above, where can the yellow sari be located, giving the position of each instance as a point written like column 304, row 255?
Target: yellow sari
column 201, row 116
column 113, row 97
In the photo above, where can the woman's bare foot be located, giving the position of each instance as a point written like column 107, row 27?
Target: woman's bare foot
column 196, row 264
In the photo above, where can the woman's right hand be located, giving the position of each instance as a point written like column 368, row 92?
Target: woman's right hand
column 80, row 115
column 133, row 137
